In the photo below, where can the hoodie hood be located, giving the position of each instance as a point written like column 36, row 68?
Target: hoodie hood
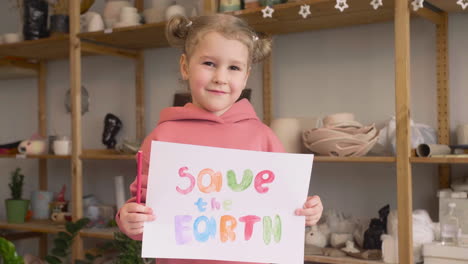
column 240, row 111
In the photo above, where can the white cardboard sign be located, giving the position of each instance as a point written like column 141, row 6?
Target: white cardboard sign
column 226, row 204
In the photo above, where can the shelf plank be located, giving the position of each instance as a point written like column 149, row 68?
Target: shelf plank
column 105, row 154
column 345, row 260
column 441, row 160
column 365, row 159
column 285, row 20
column 44, row 156
column 46, row 48
column 101, row 233
column 41, row 226
column 17, row 69
column 448, row 6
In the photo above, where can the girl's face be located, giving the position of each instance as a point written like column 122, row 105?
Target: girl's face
column 217, row 72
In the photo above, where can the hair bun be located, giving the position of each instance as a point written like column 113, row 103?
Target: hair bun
column 177, row 30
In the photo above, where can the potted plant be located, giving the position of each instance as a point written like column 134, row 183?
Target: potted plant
column 8, row 253
column 16, row 207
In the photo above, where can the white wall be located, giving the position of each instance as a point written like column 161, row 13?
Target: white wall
column 315, row 74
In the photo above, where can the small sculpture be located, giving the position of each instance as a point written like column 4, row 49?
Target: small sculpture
column 377, row 228
column 112, row 125
column 315, row 237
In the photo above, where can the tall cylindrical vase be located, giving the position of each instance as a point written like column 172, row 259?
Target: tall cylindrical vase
column 40, row 204
column 119, row 191
column 35, row 19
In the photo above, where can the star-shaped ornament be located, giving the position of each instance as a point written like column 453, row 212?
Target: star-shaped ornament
column 341, row 5
column 417, row 4
column 267, row 12
column 376, row 3
column 305, row 11
column 463, row 3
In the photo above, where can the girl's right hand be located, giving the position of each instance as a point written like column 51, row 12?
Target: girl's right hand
column 132, row 217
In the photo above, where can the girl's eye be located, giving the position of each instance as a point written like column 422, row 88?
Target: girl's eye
column 234, row 68
column 209, row 63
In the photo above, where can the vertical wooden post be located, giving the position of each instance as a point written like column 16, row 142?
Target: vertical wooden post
column 402, row 108
column 42, row 116
column 443, row 113
column 140, row 5
column 42, row 112
column 140, row 95
column 267, row 91
column 75, row 86
column 209, row 7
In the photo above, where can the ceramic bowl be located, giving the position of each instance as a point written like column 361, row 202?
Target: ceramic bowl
column 364, row 134
column 341, row 146
column 337, row 118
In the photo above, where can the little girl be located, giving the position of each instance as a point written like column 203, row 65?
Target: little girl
column 218, row 52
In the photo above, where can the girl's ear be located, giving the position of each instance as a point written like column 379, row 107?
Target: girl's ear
column 184, row 66
column 247, row 76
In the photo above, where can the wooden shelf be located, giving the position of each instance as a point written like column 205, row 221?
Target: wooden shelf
column 41, row 226
column 365, row 159
column 345, row 260
column 46, row 48
column 101, row 233
column 285, row 20
column 14, row 68
column 44, row 156
column 448, row 6
column 105, row 154
column 440, row 160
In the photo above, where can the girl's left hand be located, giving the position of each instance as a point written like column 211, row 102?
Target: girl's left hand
column 312, row 210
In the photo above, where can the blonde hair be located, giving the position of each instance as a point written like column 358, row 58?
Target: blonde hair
column 185, row 34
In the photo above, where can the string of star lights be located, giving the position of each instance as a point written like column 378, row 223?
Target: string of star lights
column 342, row 5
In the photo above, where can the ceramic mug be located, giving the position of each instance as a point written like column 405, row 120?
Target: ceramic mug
column 96, row 24
column 12, row 37
column 61, row 217
column 62, row 146
column 462, row 134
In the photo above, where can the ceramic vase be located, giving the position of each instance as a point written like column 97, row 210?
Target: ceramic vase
column 40, row 204
column 112, row 11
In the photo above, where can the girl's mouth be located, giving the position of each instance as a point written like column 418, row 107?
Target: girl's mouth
column 217, row 92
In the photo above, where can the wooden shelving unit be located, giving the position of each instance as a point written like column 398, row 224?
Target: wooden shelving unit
column 334, row 260
column 285, row 21
column 41, row 49
column 105, row 154
column 440, row 160
column 44, row 156
column 130, row 43
column 50, row 227
column 34, row 226
column 101, row 233
column 365, row 159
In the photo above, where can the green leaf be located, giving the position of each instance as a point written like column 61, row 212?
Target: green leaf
column 71, row 228
column 53, row 260
column 64, row 235
column 59, row 252
column 80, row 224
column 90, row 257
column 61, row 243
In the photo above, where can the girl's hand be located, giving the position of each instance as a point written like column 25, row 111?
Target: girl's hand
column 312, row 210
column 132, row 217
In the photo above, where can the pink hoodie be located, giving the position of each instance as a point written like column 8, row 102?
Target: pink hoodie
column 237, row 128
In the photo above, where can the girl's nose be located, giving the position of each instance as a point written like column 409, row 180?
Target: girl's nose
column 220, row 77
